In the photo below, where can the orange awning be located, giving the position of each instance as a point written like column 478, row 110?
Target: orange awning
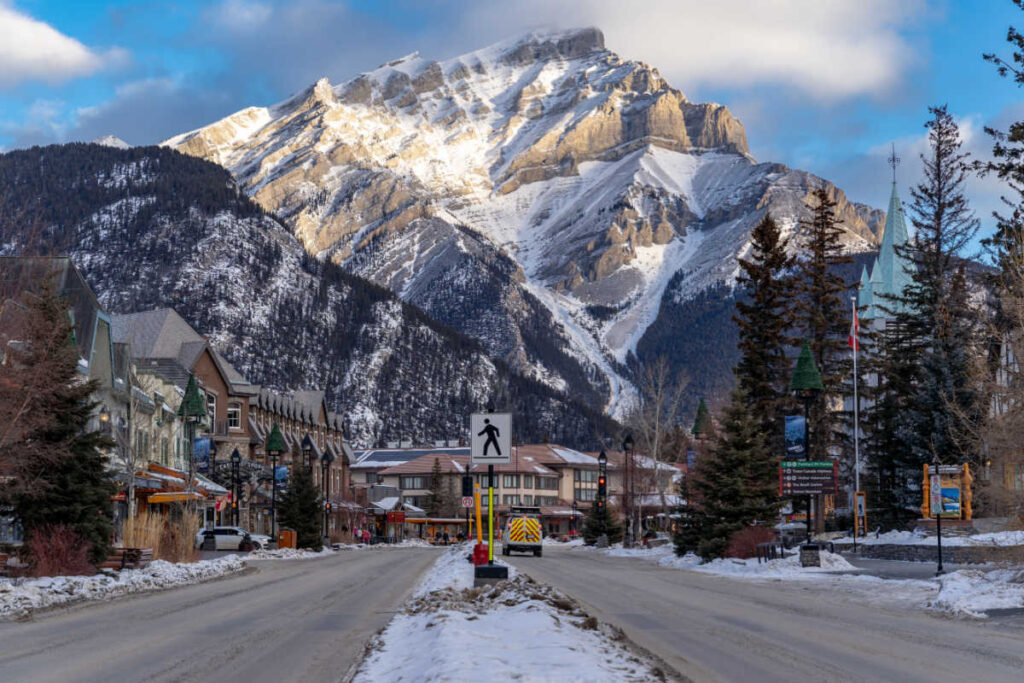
column 173, row 497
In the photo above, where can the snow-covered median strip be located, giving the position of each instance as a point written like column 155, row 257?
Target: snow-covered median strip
column 514, row 630
column 995, row 539
column 18, row 599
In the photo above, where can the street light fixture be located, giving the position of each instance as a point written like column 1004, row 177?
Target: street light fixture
column 191, row 410
column 806, row 384
column 307, row 452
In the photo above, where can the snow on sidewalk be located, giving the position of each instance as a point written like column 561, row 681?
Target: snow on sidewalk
column 21, row 598
column 289, row 554
column 994, row 539
column 513, row 630
column 971, row 592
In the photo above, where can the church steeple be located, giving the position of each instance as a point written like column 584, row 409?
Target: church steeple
column 891, row 272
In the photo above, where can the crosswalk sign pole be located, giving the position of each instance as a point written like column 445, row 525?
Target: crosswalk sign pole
column 490, row 514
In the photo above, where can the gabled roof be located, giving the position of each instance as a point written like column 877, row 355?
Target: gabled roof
column 389, row 457
column 156, row 334
column 425, row 465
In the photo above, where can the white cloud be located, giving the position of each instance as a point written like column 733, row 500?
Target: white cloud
column 241, row 15
column 824, row 49
column 33, row 50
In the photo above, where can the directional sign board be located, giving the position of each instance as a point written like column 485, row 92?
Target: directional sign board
column 807, row 477
column 490, row 435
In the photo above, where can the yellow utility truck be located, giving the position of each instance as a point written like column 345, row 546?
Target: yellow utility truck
column 523, row 531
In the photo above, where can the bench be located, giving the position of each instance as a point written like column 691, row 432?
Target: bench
column 128, row 558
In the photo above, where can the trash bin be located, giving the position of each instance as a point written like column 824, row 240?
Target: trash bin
column 287, row 538
column 810, row 555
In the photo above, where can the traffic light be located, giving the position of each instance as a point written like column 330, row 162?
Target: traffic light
column 328, row 507
column 467, row 486
column 599, row 503
column 602, row 486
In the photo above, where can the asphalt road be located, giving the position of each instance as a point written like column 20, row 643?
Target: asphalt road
column 305, row 620
column 715, row 629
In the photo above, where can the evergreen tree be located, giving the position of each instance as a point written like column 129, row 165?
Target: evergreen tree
column 601, row 520
column 821, row 315
column 435, row 499
column 764, row 318
column 72, row 488
column 933, row 318
column 299, row 508
column 730, row 489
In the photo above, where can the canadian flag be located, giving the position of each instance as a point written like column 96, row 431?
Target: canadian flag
column 854, row 341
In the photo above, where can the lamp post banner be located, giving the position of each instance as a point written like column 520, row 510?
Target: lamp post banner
column 201, row 453
column 796, row 437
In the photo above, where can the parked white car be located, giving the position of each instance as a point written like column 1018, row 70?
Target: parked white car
column 232, row 538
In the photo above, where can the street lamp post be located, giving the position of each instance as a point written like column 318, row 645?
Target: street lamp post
column 325, row 488
column 274, row 448
column 236, row 461
column 602, row 483
column 629, row 490
column 191, row 410
column 935, row 479
column 806, row 384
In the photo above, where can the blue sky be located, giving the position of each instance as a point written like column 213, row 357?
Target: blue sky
column 820, row 86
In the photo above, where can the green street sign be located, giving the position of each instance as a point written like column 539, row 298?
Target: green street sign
column 807, row 464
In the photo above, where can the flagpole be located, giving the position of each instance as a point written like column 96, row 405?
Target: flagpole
column 856, row 412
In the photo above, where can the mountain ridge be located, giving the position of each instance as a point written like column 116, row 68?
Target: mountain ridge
column 587, row 177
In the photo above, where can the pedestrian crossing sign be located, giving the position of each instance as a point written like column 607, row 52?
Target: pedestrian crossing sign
column 490, row 436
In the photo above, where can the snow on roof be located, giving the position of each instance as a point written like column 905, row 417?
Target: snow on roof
column 386, row 503
column 569, row 455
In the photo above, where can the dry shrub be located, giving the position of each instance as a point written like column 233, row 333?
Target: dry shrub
column 743, row 543
column 178, row 542
column 144, row 531
column 56, row 550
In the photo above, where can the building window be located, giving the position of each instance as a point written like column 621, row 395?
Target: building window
column 165, row 451
column 211, row 407
column 527, row 481
column 234, row 415
column 547, row 483
column 527, row 500
column 545, row 500
column 585, row 475
column 414, row 482
column 510, row 481
column 510, row 500
column 1018, row 480
column 586, row 494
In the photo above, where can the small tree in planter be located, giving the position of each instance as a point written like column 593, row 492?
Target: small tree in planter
column 299, row 509
column 601, row 521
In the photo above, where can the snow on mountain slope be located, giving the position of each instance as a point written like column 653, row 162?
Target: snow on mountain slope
column 538, row 194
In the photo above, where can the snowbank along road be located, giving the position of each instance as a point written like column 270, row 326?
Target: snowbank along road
column 288, row 621
column 711, row 628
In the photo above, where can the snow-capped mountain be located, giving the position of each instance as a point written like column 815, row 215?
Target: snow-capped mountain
column 152, row 228
column 542, row 195
column 111, row 141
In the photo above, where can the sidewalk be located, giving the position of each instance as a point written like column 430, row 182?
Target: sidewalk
column 898, row 569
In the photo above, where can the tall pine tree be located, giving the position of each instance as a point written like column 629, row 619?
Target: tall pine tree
column 764, row 318
column 731, row 488
column 821, row 315
column 933, row 318
column 72, row 488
